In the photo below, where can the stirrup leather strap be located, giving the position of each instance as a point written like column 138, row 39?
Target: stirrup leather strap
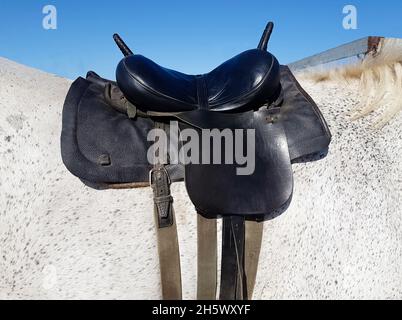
column 168, row 244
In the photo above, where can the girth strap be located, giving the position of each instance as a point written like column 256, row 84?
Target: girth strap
column 206, row 258
column 233, row 278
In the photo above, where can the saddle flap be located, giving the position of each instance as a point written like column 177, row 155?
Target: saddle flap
column 262, row 187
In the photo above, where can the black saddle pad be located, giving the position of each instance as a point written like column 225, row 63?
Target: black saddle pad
column 106, row 149
column 102, row 146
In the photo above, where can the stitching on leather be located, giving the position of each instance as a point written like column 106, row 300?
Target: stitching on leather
column 310, row 100
column 210, row 104
column 250, row 92
column 202, row 93
column 154, row 91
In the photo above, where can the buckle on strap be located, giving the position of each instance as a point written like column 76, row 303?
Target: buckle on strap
column 160, row 182
column 116, row 99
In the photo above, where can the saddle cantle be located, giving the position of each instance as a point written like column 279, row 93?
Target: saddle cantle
column 104, row 142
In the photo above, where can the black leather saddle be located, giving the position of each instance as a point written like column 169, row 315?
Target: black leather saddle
column 106, row 127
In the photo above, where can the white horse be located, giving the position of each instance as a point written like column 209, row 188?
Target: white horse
column 340, row 238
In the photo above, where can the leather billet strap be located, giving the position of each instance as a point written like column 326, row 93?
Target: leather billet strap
column 206, row 258
column 233, row 277
column 241, row 244
column 116, row 99
column 168, row 244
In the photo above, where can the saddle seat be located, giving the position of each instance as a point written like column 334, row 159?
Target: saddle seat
column 242, row 83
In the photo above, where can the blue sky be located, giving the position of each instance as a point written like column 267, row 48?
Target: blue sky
column 190, row 36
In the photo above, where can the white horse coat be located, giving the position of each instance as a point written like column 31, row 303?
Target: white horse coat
column 340, row 238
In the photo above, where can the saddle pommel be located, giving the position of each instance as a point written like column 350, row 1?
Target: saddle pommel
column 263, row 45
column 122, row 46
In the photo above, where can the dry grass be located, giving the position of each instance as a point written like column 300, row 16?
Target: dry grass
column 380, row 81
